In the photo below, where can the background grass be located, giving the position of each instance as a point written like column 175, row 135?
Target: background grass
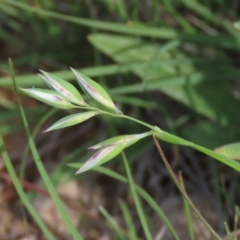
column 172, row 63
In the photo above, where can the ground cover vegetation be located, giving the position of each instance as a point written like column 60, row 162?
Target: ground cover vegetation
column 153, row 92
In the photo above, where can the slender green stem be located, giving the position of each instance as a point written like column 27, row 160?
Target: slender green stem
column 20, row 191
column 182, row 190
column 51, row 189
column 229, row 235
column 167, row 137
column 35, row 131
column 112, row 222
column 155, row 206
column 121, row 116
column 136, row 199
column 187, row 211
column 138, row 121
column 128, row 220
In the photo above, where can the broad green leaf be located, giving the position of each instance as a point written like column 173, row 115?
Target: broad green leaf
column 200, row 87
column 126, row 50
column 100, row 157
column 95, row 91
column 230, row 150
column 63, row 87
column 72, row 120
column 125, row 140
column 49, row 97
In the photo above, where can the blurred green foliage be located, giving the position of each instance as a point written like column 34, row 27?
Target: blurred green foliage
column 174, row 63
column 186, row 50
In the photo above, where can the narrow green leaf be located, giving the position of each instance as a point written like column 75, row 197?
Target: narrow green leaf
column 229, row 234
column 101, row 157
column 137, row 201
column 51, row 189
column 128, row 220
column 95, row 91
column 20, row 191
column 170, row 138
column 167, row 137
column 230, row 150
column 72, row 120
column 126, row 140
column 221, row 40
column 154, row 205
column 112, row 222
column 182, row 190
column 63, row 87
column 187, row 210
column 49, row 97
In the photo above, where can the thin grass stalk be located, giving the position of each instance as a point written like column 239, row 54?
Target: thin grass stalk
column 35, row 132
column 137, row 202
column 219, row 202
column 112, row 223
column 236, row 220
column 51, row 189
column 128, row 220
column 183, row 192
column 156, row 208
column 18, row 186
column 187, row 211
column 229, row 234
column 235, row 234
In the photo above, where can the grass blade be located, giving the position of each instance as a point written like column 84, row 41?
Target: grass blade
column 137, row 202
column 229, row 235
column 112, row 223
column 21, row 192
column 139, row 30
column 183, row 192
column 106, row 70
column 128, row 220
column 187, row 212
column 35, row 132
column 52, row 191
column 140, row 191
column 27, row 80
column 167, row 137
